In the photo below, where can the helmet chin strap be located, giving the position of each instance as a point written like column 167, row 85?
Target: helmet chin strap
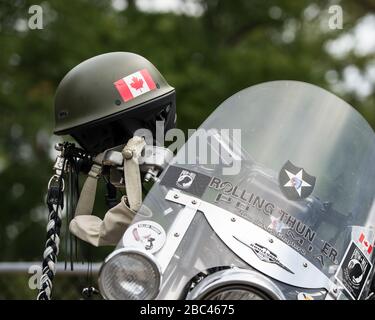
column 109, row 231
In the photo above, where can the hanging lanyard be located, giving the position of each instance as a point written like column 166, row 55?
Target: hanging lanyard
column 55, row 204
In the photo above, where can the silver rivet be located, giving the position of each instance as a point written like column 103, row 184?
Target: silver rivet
column 305, row 265
column 175, row 196
column 194, row 202
column 270, row 240
column 128, row 154
column 233, row 219
column 176, row 234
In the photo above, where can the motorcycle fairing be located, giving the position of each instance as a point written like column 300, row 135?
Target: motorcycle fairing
column 280, row 122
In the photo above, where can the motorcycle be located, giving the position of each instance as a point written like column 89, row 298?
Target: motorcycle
column 276, row 201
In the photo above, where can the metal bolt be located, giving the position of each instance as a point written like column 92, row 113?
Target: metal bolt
column 334, row 290
column 58, row 146
column 147, row 177
column 176, row 234
column 194, row 202
column 233, row 219
column 305, row 265
column 128, row 154
column 176, row 196
column 270, row 240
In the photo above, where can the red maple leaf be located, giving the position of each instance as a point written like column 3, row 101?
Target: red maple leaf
column 137, row 83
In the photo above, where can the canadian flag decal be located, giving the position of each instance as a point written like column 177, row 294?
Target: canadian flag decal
column 135, row 85
column 368, row 247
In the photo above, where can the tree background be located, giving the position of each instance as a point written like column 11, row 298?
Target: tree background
column 207, row 49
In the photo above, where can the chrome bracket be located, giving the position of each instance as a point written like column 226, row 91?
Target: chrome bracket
column 179, row 226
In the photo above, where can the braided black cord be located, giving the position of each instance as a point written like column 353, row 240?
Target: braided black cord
column 55, row 202
column 52, row 243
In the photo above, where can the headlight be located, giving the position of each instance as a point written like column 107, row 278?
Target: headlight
column 129, row 274
column 236, row 284
column 235, row 292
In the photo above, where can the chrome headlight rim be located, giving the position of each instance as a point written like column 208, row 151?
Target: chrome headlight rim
column 234, row 287
column 130, row 250
column 238, row 278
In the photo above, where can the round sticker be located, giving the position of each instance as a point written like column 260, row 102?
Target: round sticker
column 146, row 235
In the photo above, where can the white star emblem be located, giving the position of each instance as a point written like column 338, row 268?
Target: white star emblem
column 296, row 181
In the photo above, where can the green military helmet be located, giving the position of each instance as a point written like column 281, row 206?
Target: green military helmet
column 103, row 100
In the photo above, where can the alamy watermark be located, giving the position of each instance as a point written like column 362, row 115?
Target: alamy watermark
column 336, row 19
column 214, row 147
column 36, row 19
column 36, row 276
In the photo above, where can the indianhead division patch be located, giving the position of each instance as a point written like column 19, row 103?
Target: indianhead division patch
column 295, row 183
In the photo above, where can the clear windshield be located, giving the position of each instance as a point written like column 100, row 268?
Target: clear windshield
column 297, row 163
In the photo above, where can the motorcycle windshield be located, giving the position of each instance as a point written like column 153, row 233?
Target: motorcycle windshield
column 282, row 178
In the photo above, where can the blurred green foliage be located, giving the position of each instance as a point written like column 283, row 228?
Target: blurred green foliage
column 206, row 57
